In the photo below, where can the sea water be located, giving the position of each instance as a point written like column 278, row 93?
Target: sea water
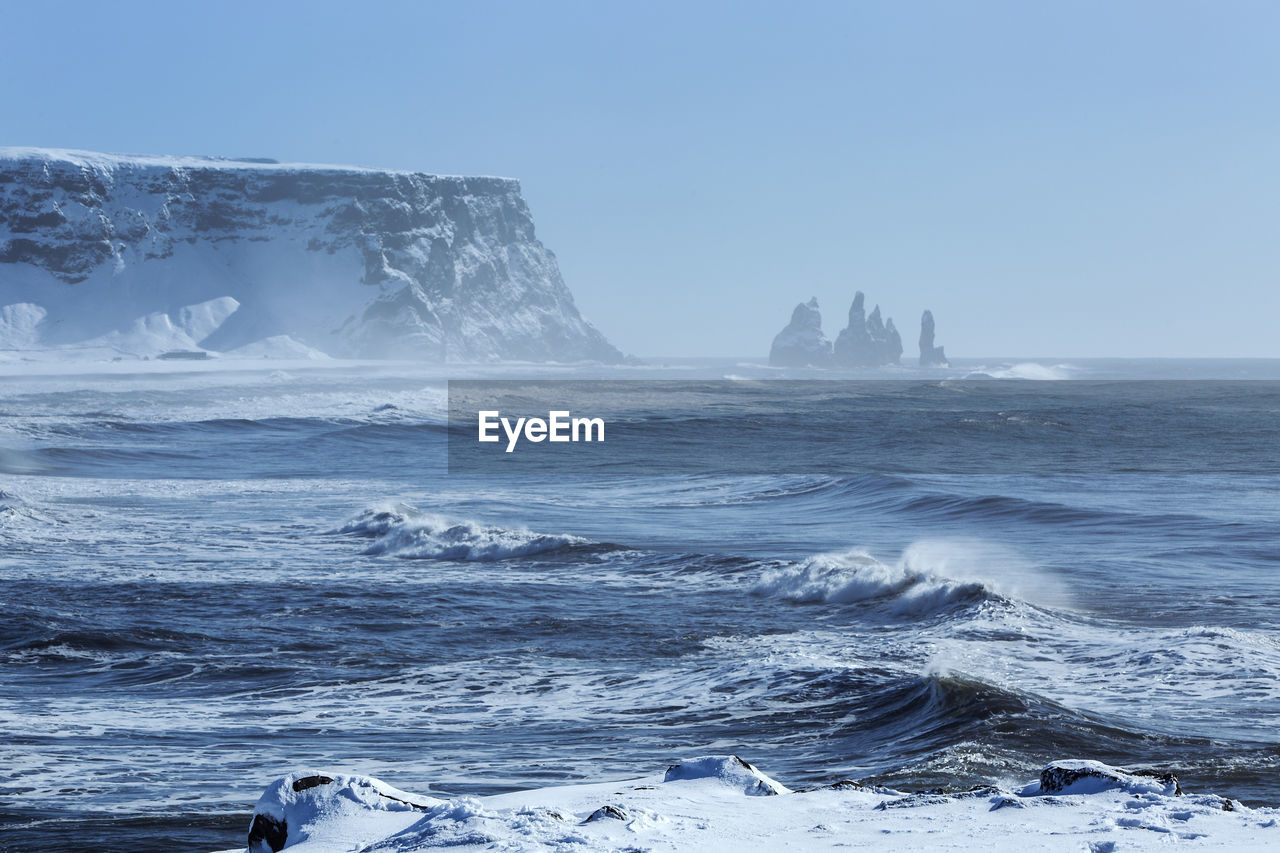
column 213, row 575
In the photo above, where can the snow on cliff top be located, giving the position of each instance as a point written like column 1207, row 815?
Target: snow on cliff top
column 111, row 162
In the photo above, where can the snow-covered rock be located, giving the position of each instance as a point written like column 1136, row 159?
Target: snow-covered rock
column 727, row 770
column 802, row 343
column 709, row 805
column 1090, row 777
column 138, row 255
column 331, row 810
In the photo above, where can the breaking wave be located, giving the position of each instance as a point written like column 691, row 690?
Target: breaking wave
column 1032, row 370
column 402, row 531
column 930, row 577
column 855, row 577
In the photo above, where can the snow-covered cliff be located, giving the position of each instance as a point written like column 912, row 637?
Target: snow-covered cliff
column 137, row 255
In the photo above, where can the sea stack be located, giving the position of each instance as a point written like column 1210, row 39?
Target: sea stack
column 930, row 356
column 868, row 341
column 802, row 343
column 853, row 344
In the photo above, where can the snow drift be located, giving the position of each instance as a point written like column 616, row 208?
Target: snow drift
column 713, row 803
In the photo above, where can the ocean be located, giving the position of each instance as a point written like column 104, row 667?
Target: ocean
column 215, row 574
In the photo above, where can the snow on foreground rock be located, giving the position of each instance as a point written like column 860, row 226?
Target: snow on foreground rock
column 722, row 803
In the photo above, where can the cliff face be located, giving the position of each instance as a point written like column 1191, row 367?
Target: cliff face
column 146, row 252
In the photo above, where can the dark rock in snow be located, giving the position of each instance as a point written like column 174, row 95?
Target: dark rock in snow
column 300, row 785
column 938, row 797
column 608, row 812
column 267, row 834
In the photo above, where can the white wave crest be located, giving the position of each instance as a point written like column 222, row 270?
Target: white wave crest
column 928, row 577
column 403, row 531
column 856, row 576
column 1032, row 370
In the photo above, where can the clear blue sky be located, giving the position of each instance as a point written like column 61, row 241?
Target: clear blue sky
column 1059, row 179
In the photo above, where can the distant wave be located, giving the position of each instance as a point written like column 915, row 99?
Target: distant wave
column 939, row 504
column 402, row 531
column 283, row 445
column 708, row 491
column 1030, row 370
column 69, row 643
column 384, row 421
column 901, row 495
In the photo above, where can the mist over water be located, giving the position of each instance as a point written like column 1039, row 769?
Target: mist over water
column 212, row 579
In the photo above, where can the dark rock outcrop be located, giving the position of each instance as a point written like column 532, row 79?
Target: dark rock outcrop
column 802, row 343
column 930, row 355
column 267, row 834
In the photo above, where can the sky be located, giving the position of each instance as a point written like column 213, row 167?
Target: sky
column 1054, row 179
